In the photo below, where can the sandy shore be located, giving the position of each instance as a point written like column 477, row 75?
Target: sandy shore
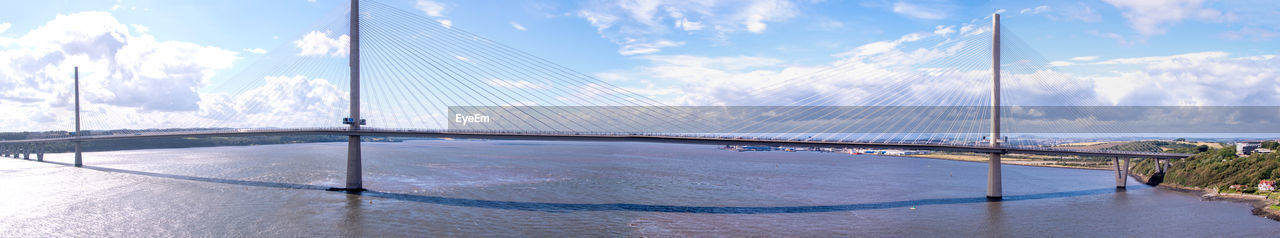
column 1008, row 161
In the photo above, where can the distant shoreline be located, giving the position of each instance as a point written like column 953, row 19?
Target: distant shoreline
column 1031, row 163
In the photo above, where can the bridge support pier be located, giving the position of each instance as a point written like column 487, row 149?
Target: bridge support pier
column 1122, row 171
column 994, row 181
column 26, row 152
column 78, row 162
column 1160, row 166
column 354, row 166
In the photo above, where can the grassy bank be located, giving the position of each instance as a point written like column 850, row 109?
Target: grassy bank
column 1215, row 170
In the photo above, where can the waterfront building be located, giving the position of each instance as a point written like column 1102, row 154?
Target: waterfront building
column 1267, row 185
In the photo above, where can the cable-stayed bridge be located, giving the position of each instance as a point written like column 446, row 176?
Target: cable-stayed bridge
column 424, row 79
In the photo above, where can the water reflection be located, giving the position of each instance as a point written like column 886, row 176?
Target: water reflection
column 354, row 199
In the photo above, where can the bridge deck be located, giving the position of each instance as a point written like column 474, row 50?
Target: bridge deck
column 633, row 137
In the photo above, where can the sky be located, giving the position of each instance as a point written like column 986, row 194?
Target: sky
column 152, row 63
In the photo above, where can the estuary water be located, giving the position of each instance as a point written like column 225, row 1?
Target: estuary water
column 554, row 189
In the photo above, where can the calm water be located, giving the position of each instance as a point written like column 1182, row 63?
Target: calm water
column 505, row 188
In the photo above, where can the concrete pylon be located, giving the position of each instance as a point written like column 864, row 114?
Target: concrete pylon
column 355, row 182
column 26, row 152
column 994, row 190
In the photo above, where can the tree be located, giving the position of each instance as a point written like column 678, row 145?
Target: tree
column 1202, row 148
column 1227, row 152
column 1270, row 144
column 1180, row 139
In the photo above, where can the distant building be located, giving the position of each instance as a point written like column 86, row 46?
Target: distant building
column 1244, row 148
column 1267, row 185
column 755, row 148
column 1238, row 187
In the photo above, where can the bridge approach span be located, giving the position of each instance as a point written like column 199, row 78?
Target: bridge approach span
column 614, row 137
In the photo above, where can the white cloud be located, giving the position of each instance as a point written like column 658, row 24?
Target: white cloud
column 256, row 51
column 1198, row 56
column 517, row 26
column 1154, row 17
column 140, row 28
column 282, row 101
column 687, row 25
column 638, row 48
column 917, row 11
column 125, row 77
column 1035, row 10
column 513, row 83
column 882, row 47
column 757, row 13
column 624, row 21
column 1079, row 12
column 1084, row 58
column 1111, row 35
column 318, row 43
column 864, row 75
column 431, row 8
column 600, row 20
column 1194, row 79
column 944, row 31
column 972, row 29
column 5, row 27
column 446, row 23
column 1251, row 33
column 861, row 75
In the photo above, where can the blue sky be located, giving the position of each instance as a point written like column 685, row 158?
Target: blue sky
column 812, row 31
column 678, row 52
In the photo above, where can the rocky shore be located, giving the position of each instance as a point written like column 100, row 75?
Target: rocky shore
column 1261, row 204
